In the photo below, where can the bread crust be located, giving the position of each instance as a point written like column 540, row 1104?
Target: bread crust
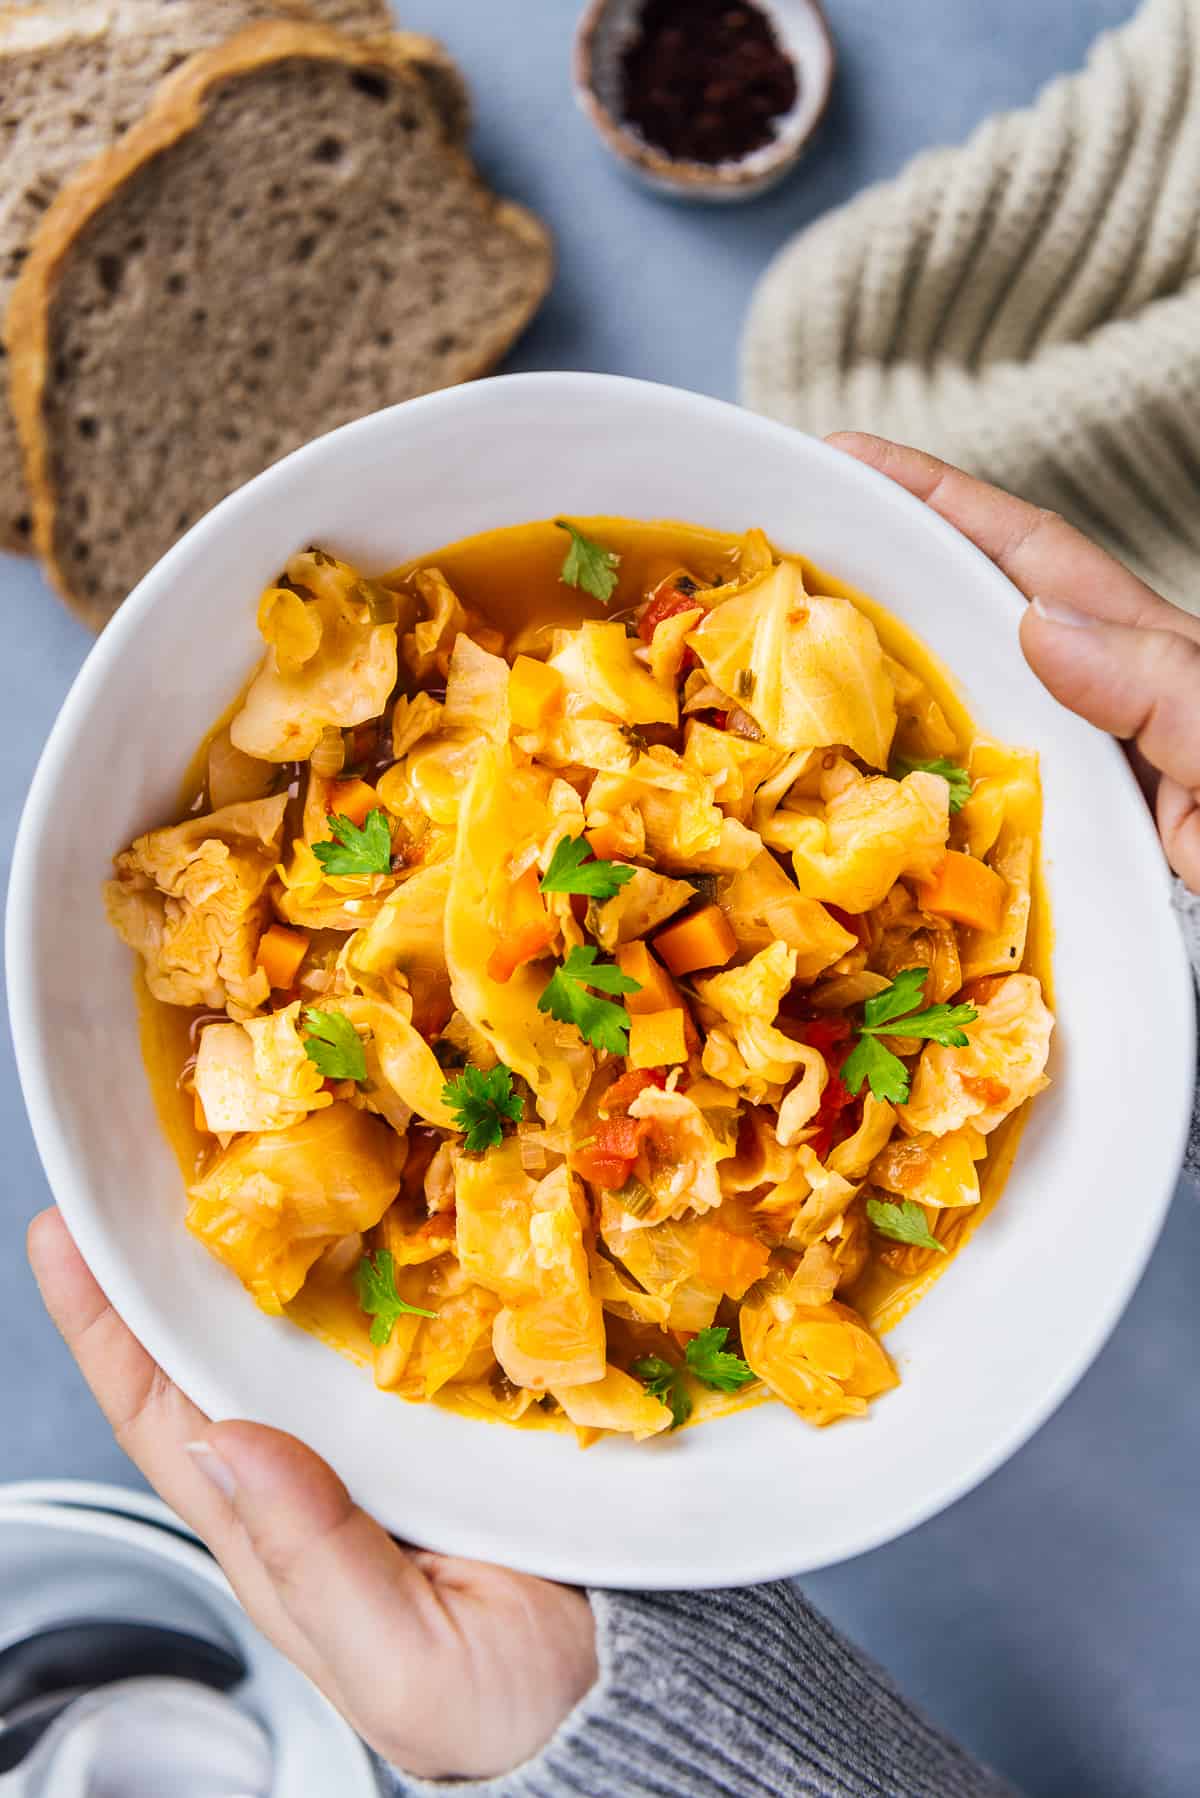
column 177, row 109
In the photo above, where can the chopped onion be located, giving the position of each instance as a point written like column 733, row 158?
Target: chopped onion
column 329, row 757
column 234, row 776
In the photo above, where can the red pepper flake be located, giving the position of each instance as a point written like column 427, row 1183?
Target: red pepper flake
column 706, row 80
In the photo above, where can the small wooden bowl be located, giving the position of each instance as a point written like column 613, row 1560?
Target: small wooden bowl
column 603, row 34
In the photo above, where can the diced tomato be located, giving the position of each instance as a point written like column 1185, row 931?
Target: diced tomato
column 621, row 1136
column 610, row 1171
column 839, row 1112
column 623, row 1092
column 838, row 1116
column 720, row 720
column 828, row 1034
column 667, row 601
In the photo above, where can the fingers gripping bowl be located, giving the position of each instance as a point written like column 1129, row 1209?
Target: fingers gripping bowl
column 989, row 1350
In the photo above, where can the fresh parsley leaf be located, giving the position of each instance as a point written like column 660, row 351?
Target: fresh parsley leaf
column 482, row 1102
column 709, row 1360
column 571, row 872
column 955, row 776
column 375, row 1284
column 886, row 1073
column 893, row 1013
column 355, row 851
column 334, row 1046
column 663, row 1380
column 598, row 1021
column 903, row 1223
column 905, row 994
column 589, row 565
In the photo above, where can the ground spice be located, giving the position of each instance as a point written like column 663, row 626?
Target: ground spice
column 705, row 80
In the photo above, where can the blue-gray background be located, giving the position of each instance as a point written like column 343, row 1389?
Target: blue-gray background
column 1051, row 1619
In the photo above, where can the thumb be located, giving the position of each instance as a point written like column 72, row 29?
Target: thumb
column 1142, row 685
column 375, row 1622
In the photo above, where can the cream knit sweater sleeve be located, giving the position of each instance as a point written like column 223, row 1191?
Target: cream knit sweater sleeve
column 1027, row 305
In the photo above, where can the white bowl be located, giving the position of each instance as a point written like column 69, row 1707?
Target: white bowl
column 1000, row 1340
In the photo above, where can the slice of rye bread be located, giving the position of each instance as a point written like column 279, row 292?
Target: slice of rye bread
column 289, row 239
column 74, row 74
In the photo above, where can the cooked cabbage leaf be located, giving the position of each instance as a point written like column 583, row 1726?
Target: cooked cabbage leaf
column 616, row 1402
column 504, row 810
column 256, row 1075
column 820, row 1359
column 1002, row 1064
column 271, row 1204
column 555, row 1338
column 764, row 907
column 345, row 680
column 598, row 664
column 870, row 833
column 191, row 901
column 809, row 669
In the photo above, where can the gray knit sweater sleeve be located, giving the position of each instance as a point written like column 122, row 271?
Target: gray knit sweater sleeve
column 746, row 1694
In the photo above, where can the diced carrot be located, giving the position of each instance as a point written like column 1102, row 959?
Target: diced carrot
column 728, row 1262
column 527, row 928
column 522, row 946
column 534, row 692
column 704, row 939
column 280, row 952
column 605, row 843
column 353, row 799
column 967, row 890
column 657, row 1039
column 658, row 991
column 198, row 1114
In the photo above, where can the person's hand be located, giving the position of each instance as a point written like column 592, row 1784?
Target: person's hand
column 1106, row 645
column 446, row 1667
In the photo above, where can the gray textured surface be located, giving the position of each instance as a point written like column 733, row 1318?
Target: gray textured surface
column 1050, row 1619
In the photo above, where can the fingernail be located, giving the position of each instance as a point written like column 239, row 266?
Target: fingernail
column 213, row 1468
column 1055, row 612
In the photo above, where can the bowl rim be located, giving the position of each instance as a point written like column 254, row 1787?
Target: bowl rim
column 100, row 1248
column 742, row 176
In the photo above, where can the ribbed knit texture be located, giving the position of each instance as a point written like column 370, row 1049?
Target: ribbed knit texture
column 745, row 1694
column 1028, row 305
